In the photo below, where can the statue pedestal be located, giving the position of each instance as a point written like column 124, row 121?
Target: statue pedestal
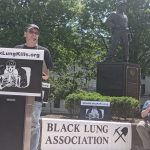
column 118, row 79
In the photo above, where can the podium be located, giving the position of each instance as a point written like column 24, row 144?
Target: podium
column 118, row 79
column 20, row 82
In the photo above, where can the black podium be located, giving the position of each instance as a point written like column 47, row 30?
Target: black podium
column 118, row 79
column 20, row 82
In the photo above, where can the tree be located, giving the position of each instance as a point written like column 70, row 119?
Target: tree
column 75, row 31
column 139, row 20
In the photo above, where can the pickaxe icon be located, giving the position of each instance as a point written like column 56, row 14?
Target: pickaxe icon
column 124, row 132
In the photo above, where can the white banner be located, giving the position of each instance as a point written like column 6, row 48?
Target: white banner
column 14, row 53
column 95, row 103
column 65, row 134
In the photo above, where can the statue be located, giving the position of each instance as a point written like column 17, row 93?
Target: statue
column 118, row 24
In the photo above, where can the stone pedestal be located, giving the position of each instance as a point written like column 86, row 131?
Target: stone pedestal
column 118, row 79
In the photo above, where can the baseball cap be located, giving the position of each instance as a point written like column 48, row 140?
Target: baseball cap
column 30, row 26
column 122, row 2
column 146, row 104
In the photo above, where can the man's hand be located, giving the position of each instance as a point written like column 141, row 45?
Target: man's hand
column 44, row 76
column 148, row 108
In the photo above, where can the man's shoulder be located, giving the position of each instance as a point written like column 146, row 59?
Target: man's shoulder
column 46, row 51
column 113, row 13
column 19, row 46
column 42, row 48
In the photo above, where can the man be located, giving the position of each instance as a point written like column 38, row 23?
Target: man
column 118, row 24
column 143, row 127
column 31, row 35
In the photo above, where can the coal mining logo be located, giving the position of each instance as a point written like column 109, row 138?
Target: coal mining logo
column 121, row 133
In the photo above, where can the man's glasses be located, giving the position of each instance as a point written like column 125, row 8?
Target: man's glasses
column 33, row 32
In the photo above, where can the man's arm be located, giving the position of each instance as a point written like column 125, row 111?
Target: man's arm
column 145, row 112
column 45, row 72
column 47, row 65
column 109, row 22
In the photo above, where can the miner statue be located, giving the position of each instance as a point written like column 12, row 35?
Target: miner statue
column 117, row 22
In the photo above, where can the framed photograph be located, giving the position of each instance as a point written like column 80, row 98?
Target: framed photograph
column 95, row 110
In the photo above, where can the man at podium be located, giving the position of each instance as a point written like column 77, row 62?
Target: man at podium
column 31, row 35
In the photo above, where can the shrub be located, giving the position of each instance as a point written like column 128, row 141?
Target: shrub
column 120, row 106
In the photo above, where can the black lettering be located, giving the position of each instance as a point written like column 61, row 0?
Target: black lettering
column 102, row 140
column 74, row 140
column 105, row 139
column 55, row 140
column 92, row 128
column 96, row 128
column 61, row 140
column 76, row 128
column 90, row 139
column 2, row 53
column 67, row 140
column 52, row 127
column 85, row 129
column 94, row 140
column 70, row 128
column 38, row 55
column 48, row 141
column 49, row 127
column 63, row 128
column 79, row 139
column 99, row 140
column 84, row 141
column 18, row 53
column 105, row 129
column 99, row 129
column 55, row 128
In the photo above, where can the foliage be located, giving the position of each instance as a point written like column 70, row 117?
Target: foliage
column 75, row 33
column 120, row 106
column 62, row 86
column 139, row 20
